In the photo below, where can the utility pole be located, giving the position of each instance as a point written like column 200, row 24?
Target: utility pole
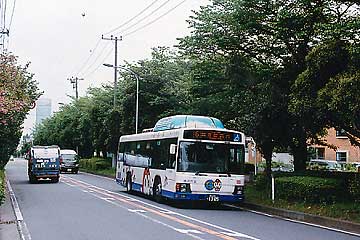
column 116, row 39
column 6, row 32
column 74, row 81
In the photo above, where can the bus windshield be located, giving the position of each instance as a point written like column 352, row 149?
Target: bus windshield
column 200, row 157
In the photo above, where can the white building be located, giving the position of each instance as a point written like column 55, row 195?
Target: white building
column 43, row 109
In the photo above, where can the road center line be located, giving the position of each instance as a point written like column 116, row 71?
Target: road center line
column 126, row 199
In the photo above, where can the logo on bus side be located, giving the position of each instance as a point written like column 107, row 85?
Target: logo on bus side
column 210, row 185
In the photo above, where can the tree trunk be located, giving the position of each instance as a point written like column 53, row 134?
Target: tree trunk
column 300, row 155
column 267, row 150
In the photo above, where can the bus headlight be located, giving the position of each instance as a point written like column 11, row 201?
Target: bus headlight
column 183, row 187
column 238, row 190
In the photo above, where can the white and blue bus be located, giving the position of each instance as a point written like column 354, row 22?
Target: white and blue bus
column 184, row 157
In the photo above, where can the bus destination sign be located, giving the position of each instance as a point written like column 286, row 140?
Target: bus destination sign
column 212, row 135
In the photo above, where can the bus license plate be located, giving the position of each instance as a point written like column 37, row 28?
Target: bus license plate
column 213, row 198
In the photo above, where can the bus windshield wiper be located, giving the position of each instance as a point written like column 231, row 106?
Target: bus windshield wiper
column 197, row 173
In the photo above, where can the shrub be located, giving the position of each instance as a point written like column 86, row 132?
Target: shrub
column 310, row 189
column 354, row 187
column 249, row 168
column 261, row 182
column 95, row 163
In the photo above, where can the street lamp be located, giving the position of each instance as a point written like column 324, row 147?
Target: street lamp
column 137, row 90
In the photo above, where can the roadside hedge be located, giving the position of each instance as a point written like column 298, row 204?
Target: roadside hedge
column 95, row 163
column 2, row 186
column 310, row 189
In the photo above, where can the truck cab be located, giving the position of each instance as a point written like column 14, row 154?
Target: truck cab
column 44, row 163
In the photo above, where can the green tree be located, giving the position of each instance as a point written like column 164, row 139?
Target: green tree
column 327, row 91
column 274, row 37
column 163, row 89
column 18, row 93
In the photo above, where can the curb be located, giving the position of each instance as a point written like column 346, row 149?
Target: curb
column 21, row 225
column 310, row 219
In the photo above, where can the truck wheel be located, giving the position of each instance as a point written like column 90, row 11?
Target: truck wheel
column 157, row 189
column 32, row 179
column 55, row 179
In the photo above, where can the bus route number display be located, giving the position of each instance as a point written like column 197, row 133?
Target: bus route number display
column 212, row 135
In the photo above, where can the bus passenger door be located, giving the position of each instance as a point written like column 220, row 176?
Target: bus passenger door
column 170, row 170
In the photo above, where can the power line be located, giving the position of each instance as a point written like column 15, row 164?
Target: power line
column 88, row 59
column 97, row 44
column 146, row 16
column 98, row 56
column 161, row 16
column 128, row 21
column 93, row 71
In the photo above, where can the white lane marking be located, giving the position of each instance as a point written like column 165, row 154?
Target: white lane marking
column 169, row 226
column 185, row 231
column 137, row 210
column 167, row 212
column 85, row 191
column 147, row 217
column 172, row 212
column 21, row 225
column 295, row 221
column 234, row 234
column 108, row 198
column 14, row 201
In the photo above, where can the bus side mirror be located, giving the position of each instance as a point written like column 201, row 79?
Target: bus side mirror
column 173, row 149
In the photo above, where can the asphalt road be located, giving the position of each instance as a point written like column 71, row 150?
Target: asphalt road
column 83, row 206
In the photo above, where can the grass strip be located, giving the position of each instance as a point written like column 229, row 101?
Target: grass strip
column 349, row 211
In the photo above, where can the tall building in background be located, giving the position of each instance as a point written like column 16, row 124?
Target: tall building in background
column 43, row 109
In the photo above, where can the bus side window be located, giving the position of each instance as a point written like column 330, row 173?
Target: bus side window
column 121, row 152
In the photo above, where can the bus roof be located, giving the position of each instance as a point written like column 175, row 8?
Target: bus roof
column 187, row 121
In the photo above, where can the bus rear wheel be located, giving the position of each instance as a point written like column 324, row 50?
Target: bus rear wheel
column 157, row 189
column 128, row 183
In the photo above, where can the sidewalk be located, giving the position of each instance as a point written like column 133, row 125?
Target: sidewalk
column 8, row 226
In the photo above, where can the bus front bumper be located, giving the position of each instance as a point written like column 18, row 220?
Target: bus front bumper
column 203, row 197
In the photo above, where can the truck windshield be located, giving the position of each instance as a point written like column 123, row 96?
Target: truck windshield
column 202, row 157
column 45, row 153
column 68, row 157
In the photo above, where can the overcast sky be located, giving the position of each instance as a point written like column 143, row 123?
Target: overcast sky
column 57, row 39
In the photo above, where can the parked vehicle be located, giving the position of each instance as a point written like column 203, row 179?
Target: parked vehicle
column 44, row 163
column 356, row 165
column 317, row 164
column 69, row 161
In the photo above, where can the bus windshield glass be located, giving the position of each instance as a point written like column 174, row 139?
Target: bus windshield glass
column 200, row 157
